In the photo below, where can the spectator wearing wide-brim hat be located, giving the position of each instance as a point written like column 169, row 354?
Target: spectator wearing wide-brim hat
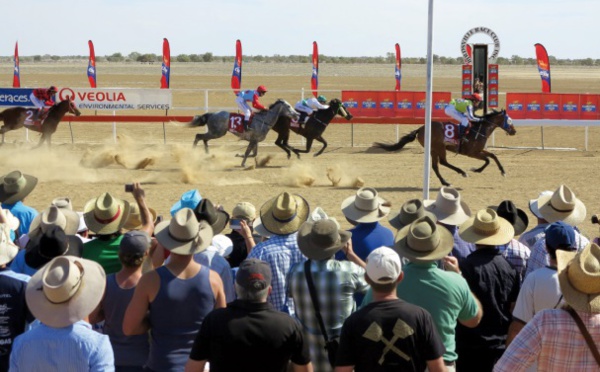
column 410, row 211
column 446, row 295
column 516, row 253
column 173, row 306
column 451, row 211
column 557, row 334
column 495, row 283
column 561, row 205
column 364, row 210
column 282, row 216
column 61, row 295
column 53, row 242
column 530, row 237
column 14, row 188
column 242, row 234
column 335, row 284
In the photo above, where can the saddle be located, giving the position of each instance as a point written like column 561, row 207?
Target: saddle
column 236, row 123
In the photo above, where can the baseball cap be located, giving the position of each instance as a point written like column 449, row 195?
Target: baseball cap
column 244, row 210
column 253, row 275
column 135, row 242
column 383, row 265
column 560, row 234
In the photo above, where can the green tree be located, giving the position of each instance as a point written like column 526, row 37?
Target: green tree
column 207, row 57
column 37, row 58
column 183, row 58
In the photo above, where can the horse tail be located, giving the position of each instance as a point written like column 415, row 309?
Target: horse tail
column 199, row 120
column 397, row 146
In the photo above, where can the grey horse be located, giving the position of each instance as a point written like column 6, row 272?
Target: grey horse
column 218, row 125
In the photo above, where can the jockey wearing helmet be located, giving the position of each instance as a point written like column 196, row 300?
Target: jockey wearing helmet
column 42, row 97
column 462, row 109
column 307, row 106
column 246, row 96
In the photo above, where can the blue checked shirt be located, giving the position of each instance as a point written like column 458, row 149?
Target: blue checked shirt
column 281, row 252
column 336, row 282
column 75, row 348
column 529, row 238
column 539, row 255
column 517, row 254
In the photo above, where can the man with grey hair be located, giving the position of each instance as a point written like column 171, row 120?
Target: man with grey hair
column 250, row 334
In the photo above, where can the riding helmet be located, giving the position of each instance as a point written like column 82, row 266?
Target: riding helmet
column 322, row 99
column 261, row 89
column 476, row 97
column 52, row 89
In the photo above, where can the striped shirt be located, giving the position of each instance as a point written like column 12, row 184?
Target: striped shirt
column 335, row 284
column 539, row 255
column 529, row 238
column 554, row 340
column 281, row 252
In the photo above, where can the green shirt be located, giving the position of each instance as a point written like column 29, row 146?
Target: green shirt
column 445, row 295
column 104, row 252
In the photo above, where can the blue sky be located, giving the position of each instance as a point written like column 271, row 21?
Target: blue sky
column 268, row 27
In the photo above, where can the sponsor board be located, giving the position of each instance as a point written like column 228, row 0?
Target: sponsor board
column 118, row 98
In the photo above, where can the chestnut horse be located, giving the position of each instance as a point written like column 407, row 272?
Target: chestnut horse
column 473, row 147
column 14, row 118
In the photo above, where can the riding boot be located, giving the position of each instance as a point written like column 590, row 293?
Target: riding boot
column 246, row 124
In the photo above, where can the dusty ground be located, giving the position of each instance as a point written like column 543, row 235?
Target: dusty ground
column 87, row 168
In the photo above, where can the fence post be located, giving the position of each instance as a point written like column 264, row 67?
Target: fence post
column 205, row 100
column 164, row 130
column 542, row 137
column 397, row 132
column 352, row 135
column 71, row 130
column 586, row 138
column 114, row 129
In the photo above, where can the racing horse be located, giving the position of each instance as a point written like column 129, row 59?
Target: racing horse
column 15, row 118
column 313, row 129
column 473, row 147
column 218, row 124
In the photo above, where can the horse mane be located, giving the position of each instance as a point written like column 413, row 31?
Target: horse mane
column 276, row 103
column 493, row 113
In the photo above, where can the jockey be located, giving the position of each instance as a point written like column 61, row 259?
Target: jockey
column 462, row 109
column 42, row 97
column 307, row 106
column 246, row 96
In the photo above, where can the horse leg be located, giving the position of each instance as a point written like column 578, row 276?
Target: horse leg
column 436, row 170
column 309, row 142
column 444, row 162
column 280, row 142
column 41, row 142
column 485, row 155
column 252, row 146
column 2, row 130
column 322, row 140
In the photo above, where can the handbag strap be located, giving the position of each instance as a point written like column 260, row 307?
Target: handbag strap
column 585, row 333
column 314, row 298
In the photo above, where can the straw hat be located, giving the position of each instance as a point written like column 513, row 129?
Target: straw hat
column 424, row 241
column 217, row 219
column 579, row 278
column 409, row 211
column 448, row 207
column 562, row 205
column 183, row 234
column 284, row 213
column 8, row 250
column 517, row 217
column 65, row 291
column 15, row 186
column 321, row 240
column 533, row 203
column 134, row 221
column 366, row 206
column 66, row 219
column 52, row 242
column 487, row 228
column 106, row 215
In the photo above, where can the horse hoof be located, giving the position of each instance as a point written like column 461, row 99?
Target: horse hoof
column 465, row 175
column 503, row 174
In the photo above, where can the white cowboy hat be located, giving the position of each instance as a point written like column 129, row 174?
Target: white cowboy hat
column 11, row 221
column 183, row 234
column 106, row 215
column 65, row 291
column 562, row 205
column 8, row 250
column 15, row 186
column 424, row 240
column 533, row 203
column 322, row 239
column 366, row 206
column 319, row 214
column 66, row 219
column 448, row 207
column 487, row 228
column 579, row 278
column 284, row 214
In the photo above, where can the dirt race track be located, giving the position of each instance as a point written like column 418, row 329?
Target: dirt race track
column 87, row 168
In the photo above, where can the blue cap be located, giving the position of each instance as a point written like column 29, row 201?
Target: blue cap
column 560, row 234
column 189, row 199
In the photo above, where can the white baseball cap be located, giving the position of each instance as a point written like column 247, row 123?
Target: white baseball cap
column 383, row 265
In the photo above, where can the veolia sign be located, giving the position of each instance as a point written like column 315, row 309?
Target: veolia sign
column 480, row 30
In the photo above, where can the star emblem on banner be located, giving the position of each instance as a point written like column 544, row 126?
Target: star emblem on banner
column 397, row 74
column 16, row 69
column 164, row 69
column 91, row 70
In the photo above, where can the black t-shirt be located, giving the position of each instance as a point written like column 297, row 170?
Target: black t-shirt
column 389, row 336
column 496, row 284
column 248, row 336
column 13, row 313
column 239, row 251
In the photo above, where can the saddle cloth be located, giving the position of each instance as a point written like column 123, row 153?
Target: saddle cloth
column 236, row 123
column 31, row 120
column 451, row 133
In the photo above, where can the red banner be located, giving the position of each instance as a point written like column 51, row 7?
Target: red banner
column 492, row 96
column 91, row 70
column 553, row 106
column 166, row 65
column 467, row 74
column 589, row 106
column 543, row 64
column 236, row 75
column 398, row 72
column 393, row 104
column 314, row 79
column 17, row 70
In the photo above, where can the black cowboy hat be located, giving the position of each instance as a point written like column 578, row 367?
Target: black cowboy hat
column 517, row 217
column 50, row 244
column 206, row 211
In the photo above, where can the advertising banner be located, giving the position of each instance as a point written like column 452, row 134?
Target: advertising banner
column 393, row 104
column 467, row 76
column 589, row 106
column 118, row 98
column 15, row 97
column 515, row 105
column 314, row 79
column 405, row 106
column 236, row 75
column 493, row 86
column 543, row 63
column 386, row 102
column 551, row 106
column 569, row 106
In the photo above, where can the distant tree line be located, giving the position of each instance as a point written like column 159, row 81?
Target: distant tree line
column 209, row 57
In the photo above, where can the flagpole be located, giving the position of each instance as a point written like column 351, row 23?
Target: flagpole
column 428, row 103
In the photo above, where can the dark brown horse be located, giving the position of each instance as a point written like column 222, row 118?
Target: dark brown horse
column 14, row 118
column 473, row 147
column 313, row 129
